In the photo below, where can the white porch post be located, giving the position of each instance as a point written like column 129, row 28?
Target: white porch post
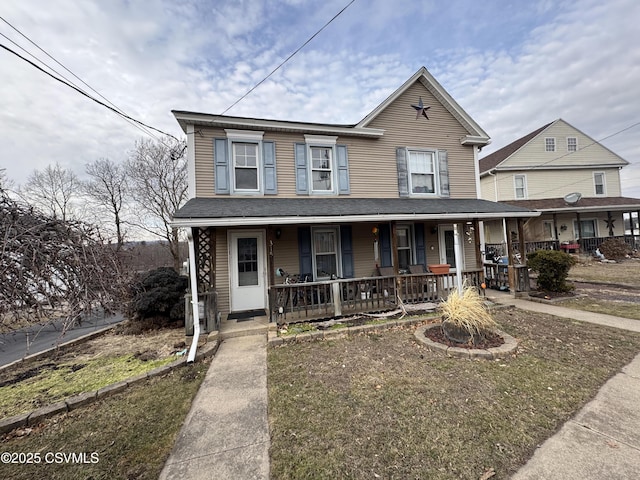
column 193, row 275
column 457, row 252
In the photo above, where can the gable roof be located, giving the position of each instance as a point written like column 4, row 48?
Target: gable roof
column 477, row 136
column 496, row 158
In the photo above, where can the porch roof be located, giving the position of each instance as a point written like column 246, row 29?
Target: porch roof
column 244, row 211
column 592, row 204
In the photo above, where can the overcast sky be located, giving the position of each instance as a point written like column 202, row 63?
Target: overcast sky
column 513, row 66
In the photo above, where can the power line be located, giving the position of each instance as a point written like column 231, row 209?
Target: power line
column 80, row 91
column 287, row 59
column 139, row 127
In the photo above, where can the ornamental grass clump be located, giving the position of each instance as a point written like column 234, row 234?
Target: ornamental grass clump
column 464, row 316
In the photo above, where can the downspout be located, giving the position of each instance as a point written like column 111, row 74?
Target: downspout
column 193, row 275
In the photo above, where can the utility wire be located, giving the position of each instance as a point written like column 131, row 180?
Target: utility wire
column 80, row 91
column 287, row 59
column 139, row 127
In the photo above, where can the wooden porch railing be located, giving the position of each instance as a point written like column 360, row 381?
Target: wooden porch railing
column 316, row 300
column 587, row 245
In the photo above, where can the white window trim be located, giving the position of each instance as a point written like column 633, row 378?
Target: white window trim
column 555, row 145
column 574, row 138
column 336, row 231
column 604, row 184
column 436, row 172
column 322, row 141
column 245, row 136
column 515, row 187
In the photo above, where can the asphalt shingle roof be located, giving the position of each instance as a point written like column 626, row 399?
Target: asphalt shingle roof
column 239, row 207
column 615, row 203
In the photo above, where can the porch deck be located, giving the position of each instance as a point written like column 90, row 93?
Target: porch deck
column 300, row 302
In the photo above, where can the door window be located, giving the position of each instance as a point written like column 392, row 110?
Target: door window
column 247, row 261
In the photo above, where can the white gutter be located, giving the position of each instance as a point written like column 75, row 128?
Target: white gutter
column 193, row 275
column 297, row 219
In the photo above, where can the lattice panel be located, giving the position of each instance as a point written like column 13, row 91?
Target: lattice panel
column 205, row 259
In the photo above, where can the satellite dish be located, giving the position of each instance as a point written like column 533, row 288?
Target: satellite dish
column 572, row 198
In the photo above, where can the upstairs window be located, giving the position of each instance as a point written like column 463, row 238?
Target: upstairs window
column 322, row 169
column 422, row 172
column 550, row 144
column 520, row 184
column 572, row 144
column 599, row 183
column 245, row 166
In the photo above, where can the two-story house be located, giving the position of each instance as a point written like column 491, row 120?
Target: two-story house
column 573, row 180
column 356, row 212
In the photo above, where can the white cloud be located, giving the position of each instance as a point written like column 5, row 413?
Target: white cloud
column 512, row 67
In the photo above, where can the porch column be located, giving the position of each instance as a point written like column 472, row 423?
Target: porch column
column 477, row 242
column 523, row 247
column 505, row 233
column 555, row 227
column 631, row 225
column 193, row 277
column 579, row 229
column 394, row 246
column 610, row 223
column 457, row 252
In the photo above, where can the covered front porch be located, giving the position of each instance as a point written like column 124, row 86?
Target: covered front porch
column 315, row 264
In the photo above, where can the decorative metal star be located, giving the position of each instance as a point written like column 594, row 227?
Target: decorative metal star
column 421, row 109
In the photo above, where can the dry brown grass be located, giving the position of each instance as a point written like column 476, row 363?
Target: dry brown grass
column 384, row 406
column 588, row 270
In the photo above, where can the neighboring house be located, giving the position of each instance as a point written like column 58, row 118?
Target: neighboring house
column 339, row 206
column 570, row 178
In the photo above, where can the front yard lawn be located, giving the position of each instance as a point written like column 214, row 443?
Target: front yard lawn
column 383, row 406
column 619, row 309
column 626, row 272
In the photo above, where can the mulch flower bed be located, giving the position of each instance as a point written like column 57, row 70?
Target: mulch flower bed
column 490, row 340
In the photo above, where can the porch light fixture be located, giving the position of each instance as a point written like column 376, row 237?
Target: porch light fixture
column 278, row 233
column 374, row 230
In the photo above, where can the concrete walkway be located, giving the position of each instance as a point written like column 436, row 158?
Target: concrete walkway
column 226, row 433
column 603, row 439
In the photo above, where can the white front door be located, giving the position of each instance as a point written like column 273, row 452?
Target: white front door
column 247, row 268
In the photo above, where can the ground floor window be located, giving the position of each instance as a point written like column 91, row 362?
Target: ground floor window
column 325, row 253
column 588, row 228
column 405, row 246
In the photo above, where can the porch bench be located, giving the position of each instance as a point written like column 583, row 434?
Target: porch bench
column 574, row 247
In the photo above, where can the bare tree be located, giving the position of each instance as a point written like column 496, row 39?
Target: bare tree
column 52, row 190
column 52, row 266
column 108, row 186
column 157, row 174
